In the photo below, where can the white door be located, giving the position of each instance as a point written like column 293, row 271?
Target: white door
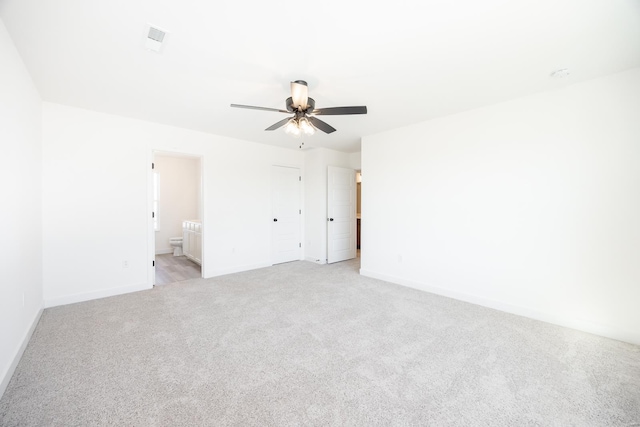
column 287, row 212
column 341, row 214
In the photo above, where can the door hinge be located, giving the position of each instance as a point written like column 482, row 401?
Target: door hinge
column 299, row 211
column 153, row 214
column 299, row 245
column 153, row 263
column 153, row 165
column 299, row 178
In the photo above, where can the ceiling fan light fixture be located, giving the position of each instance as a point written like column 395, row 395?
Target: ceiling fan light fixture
column 306, row 127
column 292, row 127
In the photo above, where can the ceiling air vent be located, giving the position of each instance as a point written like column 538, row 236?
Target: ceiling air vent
column 560, row 74
column 155, row 38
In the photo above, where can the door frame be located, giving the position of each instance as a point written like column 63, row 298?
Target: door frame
column 353, row 226
column 358, row 189
column 151, row 233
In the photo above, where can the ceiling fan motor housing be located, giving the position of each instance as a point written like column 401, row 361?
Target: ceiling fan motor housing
column 311, row 105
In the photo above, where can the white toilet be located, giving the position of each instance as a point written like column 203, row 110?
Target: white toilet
column 176, row 244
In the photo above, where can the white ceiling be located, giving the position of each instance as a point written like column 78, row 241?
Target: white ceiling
column 406, row 60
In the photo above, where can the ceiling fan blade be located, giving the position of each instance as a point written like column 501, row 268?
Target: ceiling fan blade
column 279, row 124
column 299, row 94
column 324, row 127
column 251, row 107
column 337, row 111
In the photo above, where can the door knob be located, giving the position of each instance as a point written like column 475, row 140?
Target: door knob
column 330, row 219
column 275, row 219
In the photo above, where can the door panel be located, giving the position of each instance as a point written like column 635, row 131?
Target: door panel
column 286, row 214
column 341, row 214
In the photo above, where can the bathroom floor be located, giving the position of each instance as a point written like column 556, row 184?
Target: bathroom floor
column 170, row 269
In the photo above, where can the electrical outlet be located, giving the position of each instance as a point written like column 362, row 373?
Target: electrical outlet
column 125, row 264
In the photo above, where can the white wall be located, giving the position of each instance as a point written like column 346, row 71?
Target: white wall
column 355, row 161
column 21, row 211
column 530, row 206
column 316, row 162
column 97, row 205
column 179, row 197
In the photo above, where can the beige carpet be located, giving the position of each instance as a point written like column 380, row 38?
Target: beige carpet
column 303, row 344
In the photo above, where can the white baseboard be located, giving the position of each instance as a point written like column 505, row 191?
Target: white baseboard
column 164, row 251
column 16, row 357
column 608, row 331
column 87, row 296
column 316, row 260
column 239, row 269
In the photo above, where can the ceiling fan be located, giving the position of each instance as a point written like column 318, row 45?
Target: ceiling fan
column 304, row 112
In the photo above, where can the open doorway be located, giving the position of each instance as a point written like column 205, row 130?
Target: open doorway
column 177, row 217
